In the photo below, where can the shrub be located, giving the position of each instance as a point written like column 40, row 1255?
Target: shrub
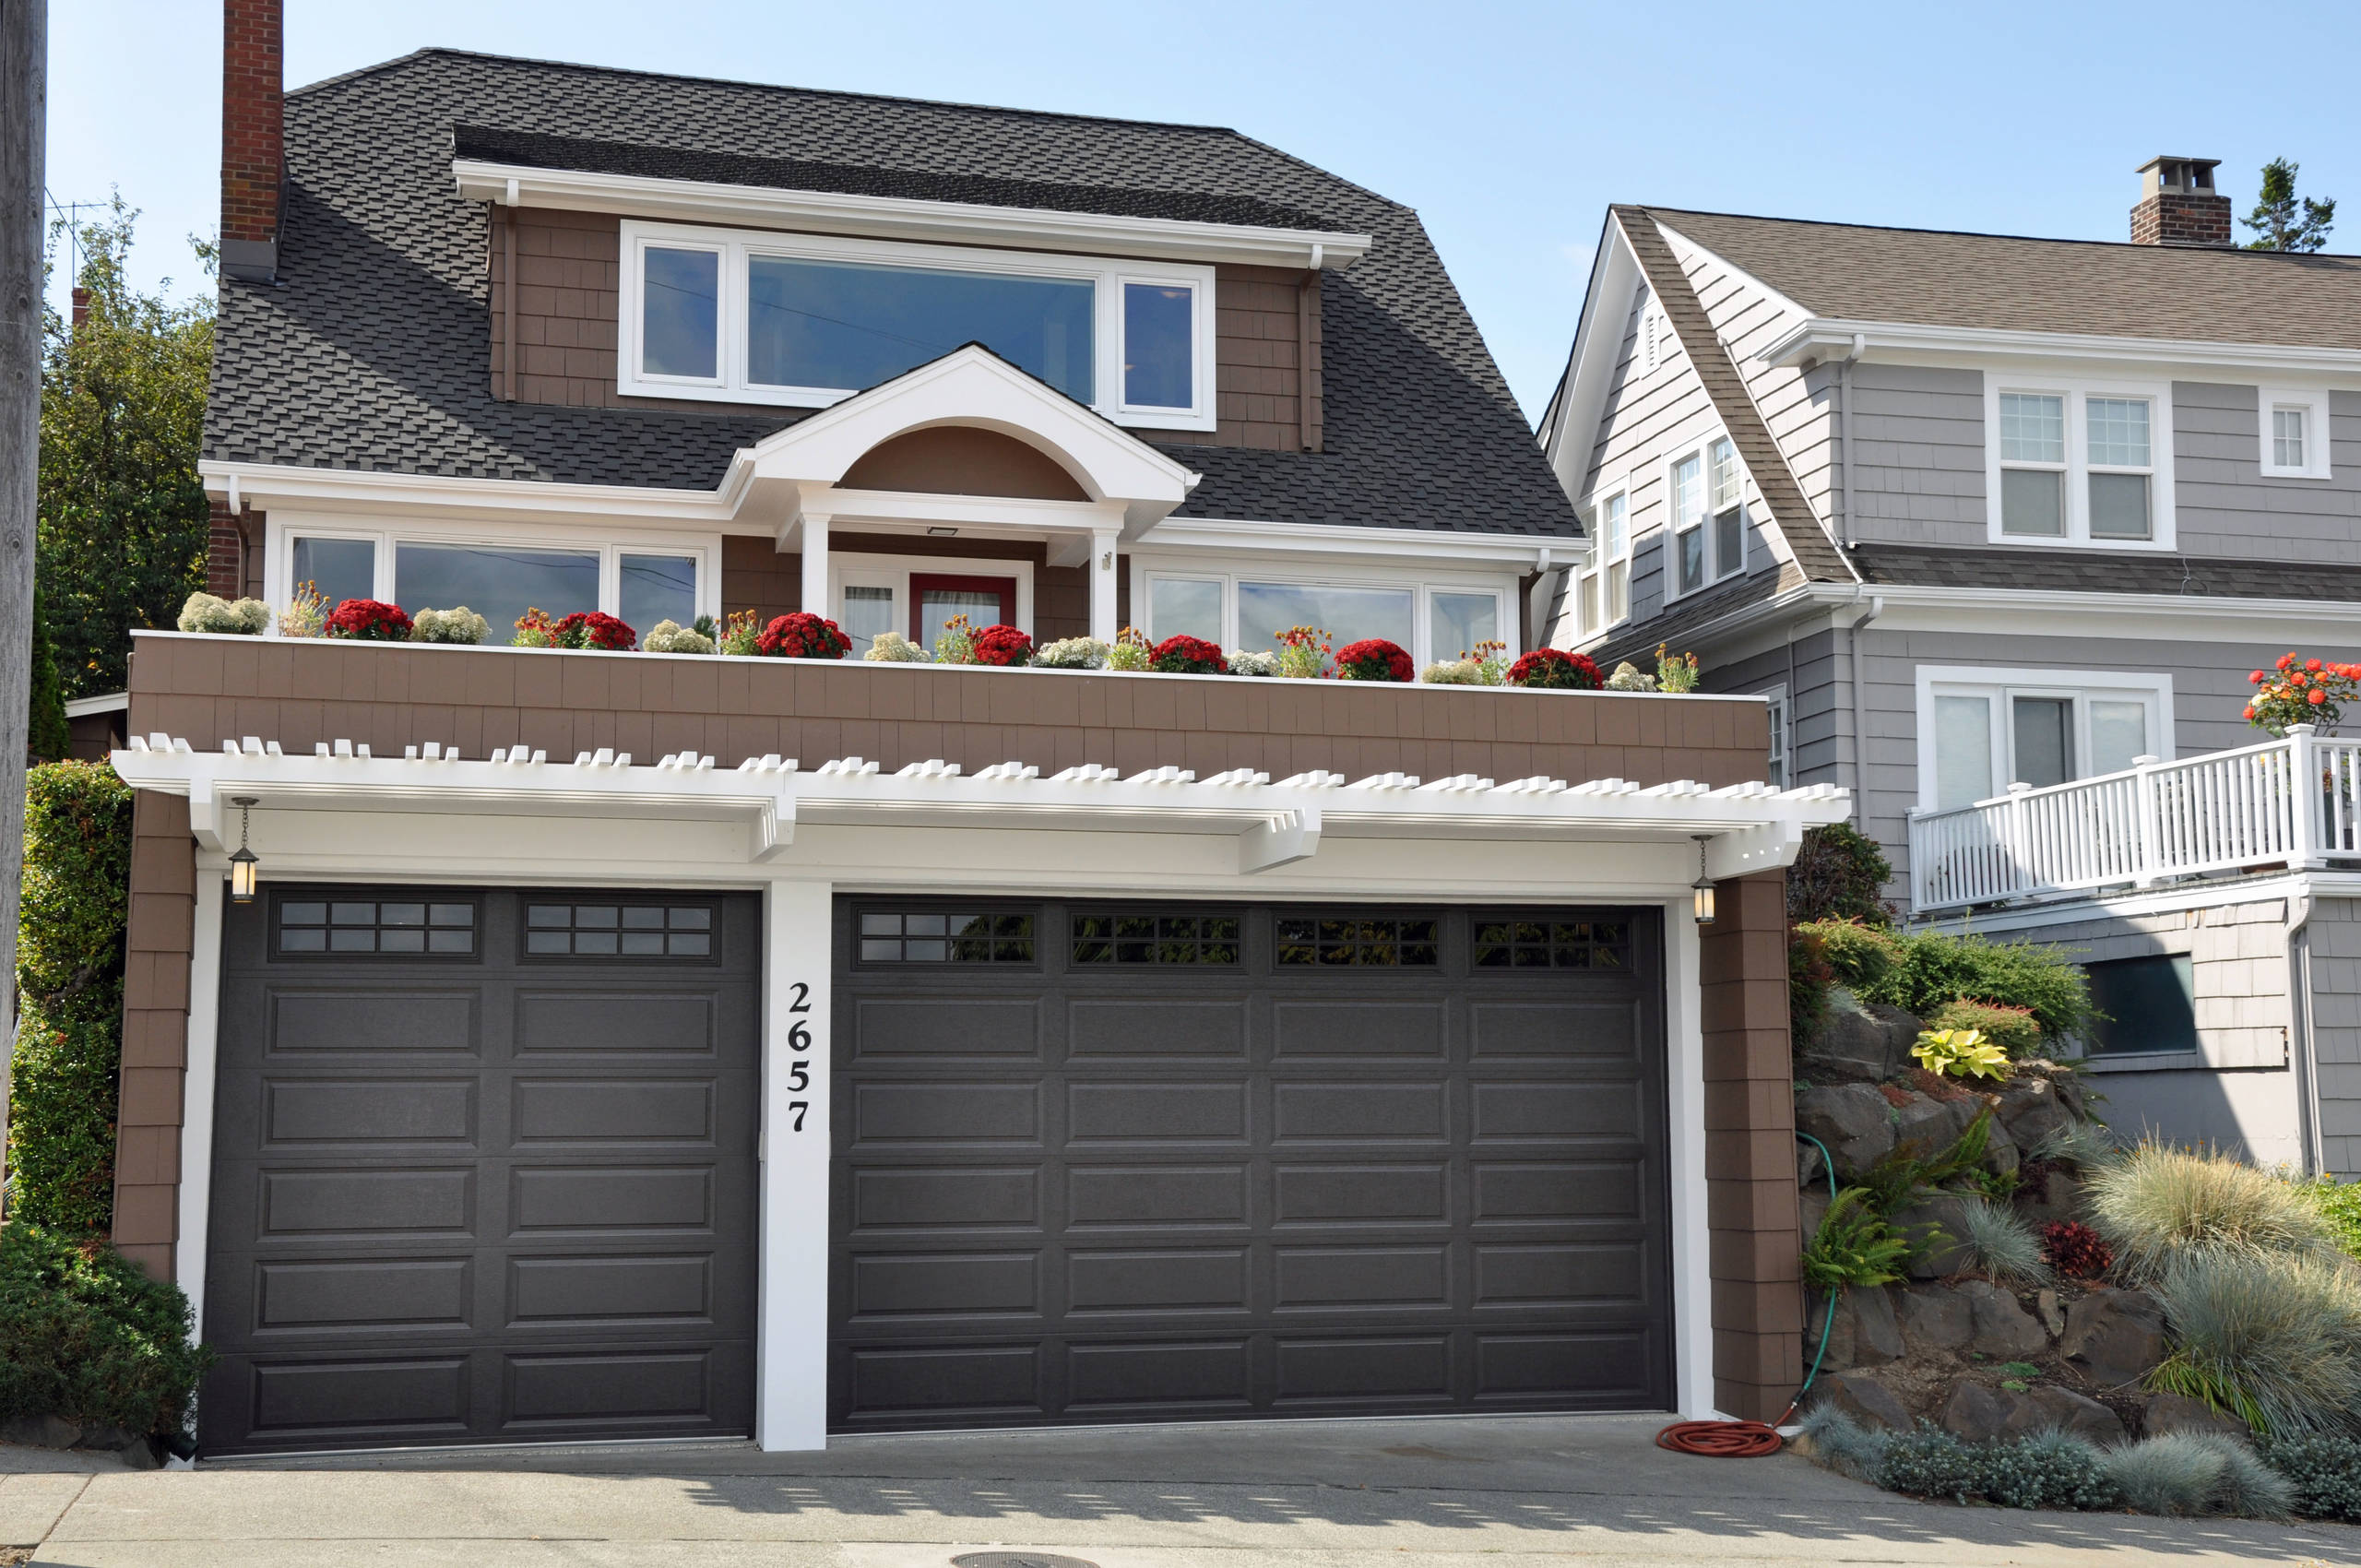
column 1676, row 673
column 1627, row 678
column 2340, row 1206
column 2273, row 1337
column 1303, row 653
column 2085, row 1145
column 1930, row 1462
column 1855, row 1245
column 1550, row 669
column 1244, row 663
column 893, row 647
column 1072, row 653
column 1836, row 877
column 1185, row 654
column 2158, row 1199
column 1373, row 658
column 2003, row 1243
column 801, row 635
column 460, row 625
column 1858, row 954
column 369, row 620
column 1130, row 652
column 2012, row 1030
column 69, row 981
column 1809, row 979
column 85, row 1335
column 2322, row 1471
column 671, row 636
column 1960, row 1053
column 241, row 618
column 1003, row 647
column 2048, row 1470
column 1452, row 672
column 2074, row 1249
column 2302, row 690
column 1847, row 1445
column 1935, row 968
column 2190, row 1472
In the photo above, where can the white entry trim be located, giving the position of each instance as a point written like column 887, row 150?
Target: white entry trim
column 790, row 1356
column 1690, row 1237
column 199, row 1054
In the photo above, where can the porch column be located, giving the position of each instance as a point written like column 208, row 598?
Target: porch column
column 816, row 564
column 1103, row 624
column 792, row 1320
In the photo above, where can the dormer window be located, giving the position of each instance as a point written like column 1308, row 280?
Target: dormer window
column 2079, row 463
column 2294, row 431
column 807, row 320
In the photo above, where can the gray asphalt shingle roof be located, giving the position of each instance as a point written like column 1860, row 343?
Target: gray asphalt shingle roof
column 371, row 351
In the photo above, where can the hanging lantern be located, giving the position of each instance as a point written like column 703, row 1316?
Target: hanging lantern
column 1701, row 890
column 245, row 866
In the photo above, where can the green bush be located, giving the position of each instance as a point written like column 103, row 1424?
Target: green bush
column 2013, row 1029
column 2340, row 1206
column 1935, row 967
column 1809, row 979
column 1837, row 875
column 69, row 977
column 2322, row 1471
column 1930, row 1462
column 1860, row 955
column 2046, row 1469
column 85, row 1335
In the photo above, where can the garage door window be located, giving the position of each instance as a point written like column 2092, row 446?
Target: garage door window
column 619, row 931
column 1154, row 939
column 369, row 925
column 1538, row 943
column 1384, row 943
column 931, row 936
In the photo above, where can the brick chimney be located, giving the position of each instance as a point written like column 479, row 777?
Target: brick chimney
column 2178, row 205
column 253, row 138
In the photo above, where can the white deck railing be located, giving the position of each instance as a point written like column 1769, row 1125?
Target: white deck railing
column 2292, row 803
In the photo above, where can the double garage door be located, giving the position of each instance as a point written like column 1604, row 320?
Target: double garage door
column 484, row 1165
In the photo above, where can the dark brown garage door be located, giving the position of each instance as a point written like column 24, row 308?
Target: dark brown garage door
column 483, row 1168
column 1132, row 1162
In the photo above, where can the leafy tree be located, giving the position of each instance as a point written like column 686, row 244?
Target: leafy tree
column 48, row 737
column 122, row 512
column 2280, row 220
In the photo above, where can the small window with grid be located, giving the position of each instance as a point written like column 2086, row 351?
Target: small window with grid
column 394, row 926
column 934, row 936
column 1541, row 943
column 619, row 930
column 1155, row 939
column 1386, row 943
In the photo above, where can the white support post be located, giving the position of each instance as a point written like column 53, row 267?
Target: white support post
column 792, row 1325
column 1103, row 624
column 1692, row 1251
column 2304, row 837
column 816, row 564
column 2149, row 830
column 199, row 1052
column 2016, row 842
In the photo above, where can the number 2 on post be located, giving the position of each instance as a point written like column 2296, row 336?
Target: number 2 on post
column 799, row 1039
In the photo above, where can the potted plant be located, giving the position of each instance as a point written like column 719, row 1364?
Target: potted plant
column 1373, row 658
column 1185, row 654
column 801, row 635
column 1554, row 670
column 1303, row 653
column 1001, row 646
column 369, row 620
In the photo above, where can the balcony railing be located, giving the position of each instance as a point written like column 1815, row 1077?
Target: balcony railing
column 2295, row 803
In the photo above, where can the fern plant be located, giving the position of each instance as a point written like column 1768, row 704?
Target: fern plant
column 1855, row 1244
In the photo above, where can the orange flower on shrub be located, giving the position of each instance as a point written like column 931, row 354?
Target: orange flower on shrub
column 2302, row 690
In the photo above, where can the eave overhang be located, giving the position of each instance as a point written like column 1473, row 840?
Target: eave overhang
column 1823, row 337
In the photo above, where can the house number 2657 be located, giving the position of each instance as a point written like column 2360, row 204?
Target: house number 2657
column 799, row 1039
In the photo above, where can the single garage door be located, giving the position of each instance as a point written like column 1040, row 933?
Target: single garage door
column 483, row 1168
column 1127, row 1162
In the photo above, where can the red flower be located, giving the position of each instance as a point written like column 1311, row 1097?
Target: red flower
column 369, row 620
column 2318, row 696
column 2250, row 713
column 2313, row 665
column 2257, row 678
column 1185, row 654
column 595, row 628
column 2286, row 660
column 1373, row 658
column 1003, row 645
column 1555, row 669
column 801, row 635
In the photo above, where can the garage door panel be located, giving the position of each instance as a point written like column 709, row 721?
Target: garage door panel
column 393, row 1201
column 1604, row 1030
column 550, row 1291
column 948, row 1382
column 640, row 1110
column 950, row 1027
column 401, row 1399
column 311, row 1111
column 304, row 1020
column 1329, row 1109
column 1557, row 1190
column 1606, row 1368
column 1155, row 1112
column 1358, row 1279
column 1127, row 1028
column 946, row 1285
column 1174, row 1279
column 610, row 1023
column 587, row 1390
column 929, row 1199
column 1161, row 1378
column 1397, row 1371
column 1332, row 1194
column 1557, row 1113
column 548, row 1200
column 940, row 1112
column 1562, row 1274
column 1156, row 1195
column 1330, row 1027
column 351, row 1293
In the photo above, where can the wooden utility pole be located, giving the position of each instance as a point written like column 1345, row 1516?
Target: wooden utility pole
column 24, row 110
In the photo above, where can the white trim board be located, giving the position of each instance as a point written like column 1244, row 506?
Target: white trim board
column 1822, row 337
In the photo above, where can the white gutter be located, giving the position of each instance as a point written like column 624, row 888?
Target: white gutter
column 1828, row 337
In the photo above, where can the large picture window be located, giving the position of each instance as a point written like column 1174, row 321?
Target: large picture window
column 1981, row 731
column 1247, row 609
column 809, row 320
column 432, row 567
column 2084, row 464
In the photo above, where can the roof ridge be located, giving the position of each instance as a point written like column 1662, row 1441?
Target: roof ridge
column 1652, row 209
column 538, row 62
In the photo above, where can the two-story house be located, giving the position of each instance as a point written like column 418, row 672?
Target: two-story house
column 2000, row 527
column 526, row 1044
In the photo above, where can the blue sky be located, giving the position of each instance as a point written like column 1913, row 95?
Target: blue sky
column 1509, row 127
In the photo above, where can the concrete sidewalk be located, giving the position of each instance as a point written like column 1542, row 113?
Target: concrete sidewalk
column 1448, row 1493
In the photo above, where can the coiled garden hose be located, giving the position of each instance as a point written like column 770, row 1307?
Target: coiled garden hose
column 1752, row 1440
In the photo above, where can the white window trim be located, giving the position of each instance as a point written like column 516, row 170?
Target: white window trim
column 282, row 529
column 2313, row 401
column 2077, row 391
column 735, row 246
column 895, row 571
column 1781, row 760
column 1601, row 559
column 1748, row 510
column 1978, row 680
column 1423, row 586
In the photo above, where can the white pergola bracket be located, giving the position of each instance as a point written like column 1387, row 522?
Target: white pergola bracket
column 1280, row 840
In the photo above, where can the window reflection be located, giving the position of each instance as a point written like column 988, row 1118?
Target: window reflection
column 1184, row 606
column 498, row 582
column 337, row 569
column 658, row 588
column 868, row 612
column 1461, row 621
column 850, row 326
column 1346, row 614
column 1157, row 321
column 681, row 320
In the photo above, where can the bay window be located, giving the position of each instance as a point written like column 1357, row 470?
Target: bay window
column 1981, row 731
column 2080, row 464
column 808, row 320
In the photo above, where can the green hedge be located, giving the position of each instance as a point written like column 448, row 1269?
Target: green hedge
column 85, row 1335
column 69, row 980
column 1927, row 973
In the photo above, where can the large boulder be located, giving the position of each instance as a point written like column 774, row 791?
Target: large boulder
column 1930, row 1125
column 1937, row 1318
column 1852, row 1119
column 2174, row 1412
column 1864, row 1334
column 1943, row 1256
column 1861, row 1042
column 1864, row 1398
column 2003, row 1328
column 2032, row 1110
column 2057, row 1195
column 2050, row 1406
column 2115, row 1337
column 1978, row 1414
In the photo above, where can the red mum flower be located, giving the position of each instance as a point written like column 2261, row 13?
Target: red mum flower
column 1002, row 645
column 1555, row 669
column 1373, row 658
column 1181, row 654
column 595, row 628
column 369, row 620
column 801, row 635
column 2286, row 660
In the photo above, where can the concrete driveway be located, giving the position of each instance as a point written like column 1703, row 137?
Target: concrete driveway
column 1327, row 1494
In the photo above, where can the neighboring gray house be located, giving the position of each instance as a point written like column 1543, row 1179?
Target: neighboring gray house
column 1980, row 513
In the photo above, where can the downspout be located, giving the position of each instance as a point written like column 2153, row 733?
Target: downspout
column 2303, row 1053
column 1844, row 535
column 1844, row 518
column 1861, row 701
column 1537, row 602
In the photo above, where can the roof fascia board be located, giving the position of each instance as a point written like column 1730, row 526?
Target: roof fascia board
column 1581, row 390
column 1536, row 553
column 1817, row 338
column 265, row 485
column 640, row 195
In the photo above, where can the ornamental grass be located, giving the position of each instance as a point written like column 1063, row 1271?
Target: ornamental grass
column 2159, row 1199
column 2272, row 1338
